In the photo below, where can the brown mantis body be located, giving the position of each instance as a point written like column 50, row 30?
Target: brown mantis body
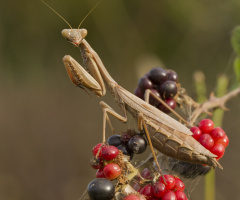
column 163, row 132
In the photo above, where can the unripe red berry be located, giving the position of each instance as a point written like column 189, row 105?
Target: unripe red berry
column 112, row 171
column 218, row 149
column 109, row 152
column 180, row 195
column 217, row 134
column 100, row 174
column 95, row 150
column 169, row 195
column 159, row 189
column 169, row 181
column 224, row 141
column 206, row 140
column 179, row 185
column 206, row 125
column 147, row 191
column 196, row 132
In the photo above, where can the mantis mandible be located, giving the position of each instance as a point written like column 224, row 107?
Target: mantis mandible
column 164, row 133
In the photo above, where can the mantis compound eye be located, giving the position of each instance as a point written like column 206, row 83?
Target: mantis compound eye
column 83, row 32
column 66, row 33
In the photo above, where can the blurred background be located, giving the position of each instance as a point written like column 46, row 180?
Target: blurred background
column 48, row 127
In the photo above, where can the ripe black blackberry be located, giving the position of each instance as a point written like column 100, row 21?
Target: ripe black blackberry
column 163, row 83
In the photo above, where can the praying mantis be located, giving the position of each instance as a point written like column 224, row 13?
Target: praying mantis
column 164, row 133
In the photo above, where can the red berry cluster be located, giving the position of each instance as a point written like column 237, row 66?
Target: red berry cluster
column 165, row 188
column 213, row 139
column 163, row 83
column 103, row 161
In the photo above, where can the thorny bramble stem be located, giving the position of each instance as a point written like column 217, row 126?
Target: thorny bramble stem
column 212, row 103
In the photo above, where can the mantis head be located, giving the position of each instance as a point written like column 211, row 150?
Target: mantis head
column 75, row 36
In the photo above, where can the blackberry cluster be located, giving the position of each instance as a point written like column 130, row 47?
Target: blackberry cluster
column 108, row 162
column 129, row 143
column 163, row 83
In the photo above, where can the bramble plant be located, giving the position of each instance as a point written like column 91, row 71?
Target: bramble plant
column 113, row 159
column 117, row 177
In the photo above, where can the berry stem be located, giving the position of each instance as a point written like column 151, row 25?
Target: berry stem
column 222, row 85
column 200, row 86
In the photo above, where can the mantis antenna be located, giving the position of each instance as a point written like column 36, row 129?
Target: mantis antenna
column 65, row 19
column 89, row 13
column 57, row 13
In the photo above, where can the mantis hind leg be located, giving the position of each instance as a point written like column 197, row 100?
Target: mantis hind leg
column 142, row 126
column 149, row 93
column 108, row 110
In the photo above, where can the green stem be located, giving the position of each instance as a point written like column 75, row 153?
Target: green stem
column 222, row 84
column 200, row 86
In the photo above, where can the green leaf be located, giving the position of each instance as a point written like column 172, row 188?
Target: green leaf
column 235, row 40
column 236, row 66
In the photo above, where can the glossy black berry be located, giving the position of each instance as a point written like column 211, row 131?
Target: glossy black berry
column 144, row 83
column 152, row 100
column 101, row 189
column 168, row 89
column 137, row 144
column 139, row 93
column 114, row 140
column 172, row 75
column 158, row 75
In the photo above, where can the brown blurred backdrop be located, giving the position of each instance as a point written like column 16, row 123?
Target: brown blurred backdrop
column 48, row 127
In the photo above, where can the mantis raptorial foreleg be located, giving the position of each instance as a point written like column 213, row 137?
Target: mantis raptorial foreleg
column 83, row 79
column 93, row 66
column 165, row 133
column 80, row 77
